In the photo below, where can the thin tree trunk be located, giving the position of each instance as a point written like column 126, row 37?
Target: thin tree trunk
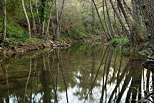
column 42, row 15
column 48, row 25
column 26, row 16
column 38, row 18
column 32, row 15
column 120, row 20
column 103, row 28
column 4, row 20
column 93, row 17
column 57, row 20
column 59, row 17
column 125, row 14
column 36, row 4
column 105, row 21
column 109, row 20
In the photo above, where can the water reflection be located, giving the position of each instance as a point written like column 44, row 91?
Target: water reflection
column 79, row 74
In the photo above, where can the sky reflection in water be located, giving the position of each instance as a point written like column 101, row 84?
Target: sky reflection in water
column 79, row 74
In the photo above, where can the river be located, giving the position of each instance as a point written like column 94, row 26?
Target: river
column 78, row 74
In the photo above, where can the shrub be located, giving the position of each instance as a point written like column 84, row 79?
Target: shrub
column 15, row 34
column 121, row 41
column 76, row 34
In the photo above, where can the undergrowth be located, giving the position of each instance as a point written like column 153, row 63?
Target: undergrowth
column 120, row 41
column 17, row 36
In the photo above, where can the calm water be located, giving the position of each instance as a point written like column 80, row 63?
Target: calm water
column 79, row 74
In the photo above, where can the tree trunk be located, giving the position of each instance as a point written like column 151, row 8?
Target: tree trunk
column 136, row 11
column 103, row 28
column 109, row 20
column 32, row 16
column 59, row 17
column 38, row 18
column 133, row 26
column 48, row 25
column 93, row 17
column 124, row 14
column 4, row 20
column 105, row 21
column 148, row 13
column 120, row 20
column 42, row 14
column 25, row 13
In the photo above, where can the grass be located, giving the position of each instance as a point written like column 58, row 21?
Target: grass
column 15, row 33
column 16, row 36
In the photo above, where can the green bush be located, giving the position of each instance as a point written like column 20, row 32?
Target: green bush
column 76, row 34
column 121, row 41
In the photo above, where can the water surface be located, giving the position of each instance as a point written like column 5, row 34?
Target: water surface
column 79, row 74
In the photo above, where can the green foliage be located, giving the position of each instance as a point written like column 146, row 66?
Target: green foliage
column 16, row 34
column 76, row 34
column 121, row 41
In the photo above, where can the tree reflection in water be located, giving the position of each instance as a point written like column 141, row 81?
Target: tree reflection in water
column 79, row 74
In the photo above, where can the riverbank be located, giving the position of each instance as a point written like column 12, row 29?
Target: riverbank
column 7, row 48
column 11, row 47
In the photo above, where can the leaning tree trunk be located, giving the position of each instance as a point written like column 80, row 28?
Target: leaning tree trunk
column 124, row 14
column 109, row 20
column 133, row 26
column 4, row 20
column 136, row 10
column 105, row 20
column 28, row 22
column 120, row 20
column 148, row 13
column 102, row 26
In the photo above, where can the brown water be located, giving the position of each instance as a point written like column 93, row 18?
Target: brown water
column 79, row 74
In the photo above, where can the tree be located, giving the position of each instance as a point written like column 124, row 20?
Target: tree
column 102, row 26
column 127, row 33
column 26, row 16
column 32, row 16
column 42, row 15
column 4, row 20
column 148, row 13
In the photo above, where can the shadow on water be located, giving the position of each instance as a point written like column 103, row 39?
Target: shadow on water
column 79, row 74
